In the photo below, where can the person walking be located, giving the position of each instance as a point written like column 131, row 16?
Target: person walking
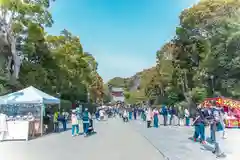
column 155, row 118
column 85, row 120
column 187, row 117
column 64, row 118
column 222, row 124
column 74, row 121
column 165, row 115
column 199, row 128
column 125, row 116
column 144, row 112
column 149, row 117
column 135, row 113
column 219, row 146
column 55, row 121
column 130, row 114
column 172, row 113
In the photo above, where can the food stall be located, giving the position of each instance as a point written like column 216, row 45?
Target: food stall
column 25, row 110
column 231, row 108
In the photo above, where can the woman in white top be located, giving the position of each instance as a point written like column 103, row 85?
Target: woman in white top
column 125, row 114
column 187, row 114
column 149, row 117
column 101, row 113
column 75, row 125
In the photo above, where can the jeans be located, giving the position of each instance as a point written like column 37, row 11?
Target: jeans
column 64, row 123
column 148, row 124
column 202, row 131
column 196, row 132
column 56, row 127
column 165, row 118
column 199, row 131
column 85, row 127
column 135, row 116
column 75, row 126
column 187, row 121
column 213, row 132
column 170, row 121
column 219, row 143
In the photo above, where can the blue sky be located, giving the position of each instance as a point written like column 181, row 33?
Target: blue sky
column 123, row 35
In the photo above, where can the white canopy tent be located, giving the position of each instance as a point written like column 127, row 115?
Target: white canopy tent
column 2, row 101
column 30, row 95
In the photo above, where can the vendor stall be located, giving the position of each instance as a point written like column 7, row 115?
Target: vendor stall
column 25, row 110
column 231, row 108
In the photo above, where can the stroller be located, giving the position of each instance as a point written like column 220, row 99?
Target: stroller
column 90, row 128
column 125, row 118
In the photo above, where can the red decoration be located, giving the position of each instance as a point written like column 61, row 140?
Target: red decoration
column 223, row 102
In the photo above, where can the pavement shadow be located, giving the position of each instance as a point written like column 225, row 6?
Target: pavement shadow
column 192, row 139
column 91, row 134
column 207, row 147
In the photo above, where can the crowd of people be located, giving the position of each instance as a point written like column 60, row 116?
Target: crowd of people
column 212, row 117
column 204, row 117
column 169, row 115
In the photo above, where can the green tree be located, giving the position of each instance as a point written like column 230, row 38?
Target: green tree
column 202, row 59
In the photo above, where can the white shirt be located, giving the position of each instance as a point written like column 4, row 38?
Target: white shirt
column 125, row 114
column 149, row 115
column 3, row 122
column 186, row 113
column 74, row 119
column 101, row 112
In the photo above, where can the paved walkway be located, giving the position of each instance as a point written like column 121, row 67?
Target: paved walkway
column 174, row 143
column 114, row 141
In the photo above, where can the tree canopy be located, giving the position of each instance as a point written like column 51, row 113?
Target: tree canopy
column 56, row 64
column 203, row 59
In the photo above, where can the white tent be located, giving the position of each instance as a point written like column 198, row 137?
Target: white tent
column 1, row 101
column 29, row 95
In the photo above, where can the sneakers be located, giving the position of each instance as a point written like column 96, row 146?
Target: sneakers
column 195, row 139
column 203, row 142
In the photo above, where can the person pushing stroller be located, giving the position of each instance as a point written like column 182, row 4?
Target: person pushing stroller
column 125, row 116
column 87, row 122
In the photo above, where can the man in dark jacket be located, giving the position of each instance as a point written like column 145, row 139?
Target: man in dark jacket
column 85, row 119
column 172, row 112
column 199, row 127
column 164, row 112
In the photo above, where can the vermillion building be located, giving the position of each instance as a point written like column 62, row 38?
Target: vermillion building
column 117, row 94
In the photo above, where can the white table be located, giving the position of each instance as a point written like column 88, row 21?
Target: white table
column 17, row 130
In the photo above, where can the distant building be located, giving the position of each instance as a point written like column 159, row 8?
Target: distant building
column 117, row 94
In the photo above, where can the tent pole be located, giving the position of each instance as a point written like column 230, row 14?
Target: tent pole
column 41, row 121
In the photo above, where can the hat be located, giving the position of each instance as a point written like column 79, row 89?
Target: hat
column 73, row 111
column 86, row 109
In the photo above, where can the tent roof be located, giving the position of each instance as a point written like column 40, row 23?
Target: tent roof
column 29, row 95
